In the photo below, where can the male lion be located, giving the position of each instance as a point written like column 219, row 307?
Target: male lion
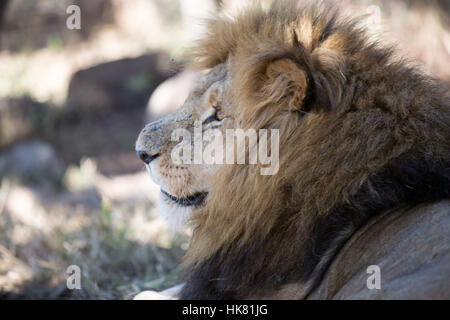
column 364, row 163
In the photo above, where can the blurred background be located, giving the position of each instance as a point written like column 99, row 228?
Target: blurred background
column 72, row 102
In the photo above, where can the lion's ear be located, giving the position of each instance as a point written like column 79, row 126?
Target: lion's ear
column 286, row 80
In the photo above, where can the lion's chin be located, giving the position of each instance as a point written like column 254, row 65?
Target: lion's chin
column 177, row 211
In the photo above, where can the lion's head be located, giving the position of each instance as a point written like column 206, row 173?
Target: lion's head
column 185, row 186
column 359, row 133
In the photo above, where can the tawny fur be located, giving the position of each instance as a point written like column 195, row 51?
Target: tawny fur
column 364, row 110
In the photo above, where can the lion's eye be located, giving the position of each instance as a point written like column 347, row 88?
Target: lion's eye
column 217, row 116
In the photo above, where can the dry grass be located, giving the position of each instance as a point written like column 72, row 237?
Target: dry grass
column 118, row 240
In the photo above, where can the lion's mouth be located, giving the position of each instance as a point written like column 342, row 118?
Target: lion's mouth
column 196, row 199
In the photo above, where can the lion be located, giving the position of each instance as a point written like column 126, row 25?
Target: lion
column 364, row 163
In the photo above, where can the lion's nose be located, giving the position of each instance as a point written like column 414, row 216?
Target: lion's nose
column 144, row 156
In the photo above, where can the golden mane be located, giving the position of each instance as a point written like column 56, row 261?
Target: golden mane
column 356, row 128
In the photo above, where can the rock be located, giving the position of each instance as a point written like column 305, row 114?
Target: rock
column 20, row 118
column 118, row 85
column 170, row 95
column 40, row 24
column 32, row 160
